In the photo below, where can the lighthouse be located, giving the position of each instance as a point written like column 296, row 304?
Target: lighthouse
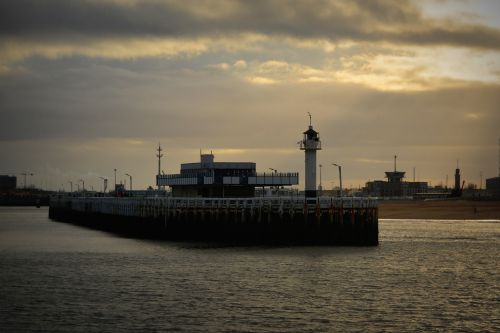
column 310, row 144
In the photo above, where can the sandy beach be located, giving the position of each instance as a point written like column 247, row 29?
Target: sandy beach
column 440, row 209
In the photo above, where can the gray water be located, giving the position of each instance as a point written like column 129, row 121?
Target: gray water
column 425, row 276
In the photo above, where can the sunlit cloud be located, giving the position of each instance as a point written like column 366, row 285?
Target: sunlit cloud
column 472, row 116
column 228, row 151
column 130, row 29
column 252, row 151
column 385, row 69
column 136, row 142
column 12, row 69
column 417, row 69
column 13, row 50
column 371, row 161
column 261, row 80
column 240, row 64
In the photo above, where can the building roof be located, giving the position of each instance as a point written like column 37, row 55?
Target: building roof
column 219, row 165
column 310, row 131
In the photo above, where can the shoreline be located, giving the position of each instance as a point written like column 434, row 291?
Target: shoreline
column 440, row 210
column 457, row 209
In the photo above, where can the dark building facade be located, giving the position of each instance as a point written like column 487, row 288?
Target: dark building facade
column 222, row 179
column 380, row 188
column 8, row 183
column 457, row 189
column 493, row 186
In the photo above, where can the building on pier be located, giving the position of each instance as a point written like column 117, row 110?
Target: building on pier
column 208, row 178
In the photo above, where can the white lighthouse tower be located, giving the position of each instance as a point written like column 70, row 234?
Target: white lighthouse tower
column 310, row 144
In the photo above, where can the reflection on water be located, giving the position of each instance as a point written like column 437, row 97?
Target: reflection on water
column 425, row 275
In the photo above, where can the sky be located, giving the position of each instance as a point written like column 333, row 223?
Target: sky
column 93, row 85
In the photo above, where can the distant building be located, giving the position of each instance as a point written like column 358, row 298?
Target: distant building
column 394, row 186
column 222, row 179
column 380, row 188
column 493, row 186
column 375, row 188
column 8, row 183
column 120, row 190
column 457, row 189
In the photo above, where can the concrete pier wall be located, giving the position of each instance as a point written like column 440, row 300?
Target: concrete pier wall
column 294, row 221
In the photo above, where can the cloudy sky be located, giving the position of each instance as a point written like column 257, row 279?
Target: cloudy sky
column 89, row 86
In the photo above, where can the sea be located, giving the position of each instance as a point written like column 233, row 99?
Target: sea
column 425, row 276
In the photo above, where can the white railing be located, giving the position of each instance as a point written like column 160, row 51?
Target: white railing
column 153, row 206
column 272, row 179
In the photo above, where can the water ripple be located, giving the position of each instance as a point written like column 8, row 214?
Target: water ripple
column 425, row 276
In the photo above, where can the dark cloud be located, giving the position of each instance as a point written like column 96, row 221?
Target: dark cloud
column 52, row 118
column 95, row 101
column 79, row 112
column 380, row 20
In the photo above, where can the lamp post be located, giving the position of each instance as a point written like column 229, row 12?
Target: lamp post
column 31, row 174
column 83, row 184
column 320, row 187
column 70, row 185
column 130, row 180
column 340, row 177
column 272, row 175
column 26, row 174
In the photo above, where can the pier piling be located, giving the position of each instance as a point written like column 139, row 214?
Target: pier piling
column 289, row 221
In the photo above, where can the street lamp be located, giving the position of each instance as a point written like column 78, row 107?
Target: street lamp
column 320, row 187
column 115, row 180
column 31, row 174
column 130, row 180
column 26, row 174
column 340, row 177
column 272, row 175
column 70, row 185
column 83, row 184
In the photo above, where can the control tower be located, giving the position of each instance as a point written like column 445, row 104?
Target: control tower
column 394, row 186
column 395, row 176
column 310, row 144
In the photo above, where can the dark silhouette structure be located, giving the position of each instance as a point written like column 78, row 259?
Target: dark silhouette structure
column 210, row 179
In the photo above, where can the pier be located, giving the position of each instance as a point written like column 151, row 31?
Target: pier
column 264, row 220
column 215, row 202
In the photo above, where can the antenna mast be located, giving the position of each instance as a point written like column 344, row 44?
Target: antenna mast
column 159, row 155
